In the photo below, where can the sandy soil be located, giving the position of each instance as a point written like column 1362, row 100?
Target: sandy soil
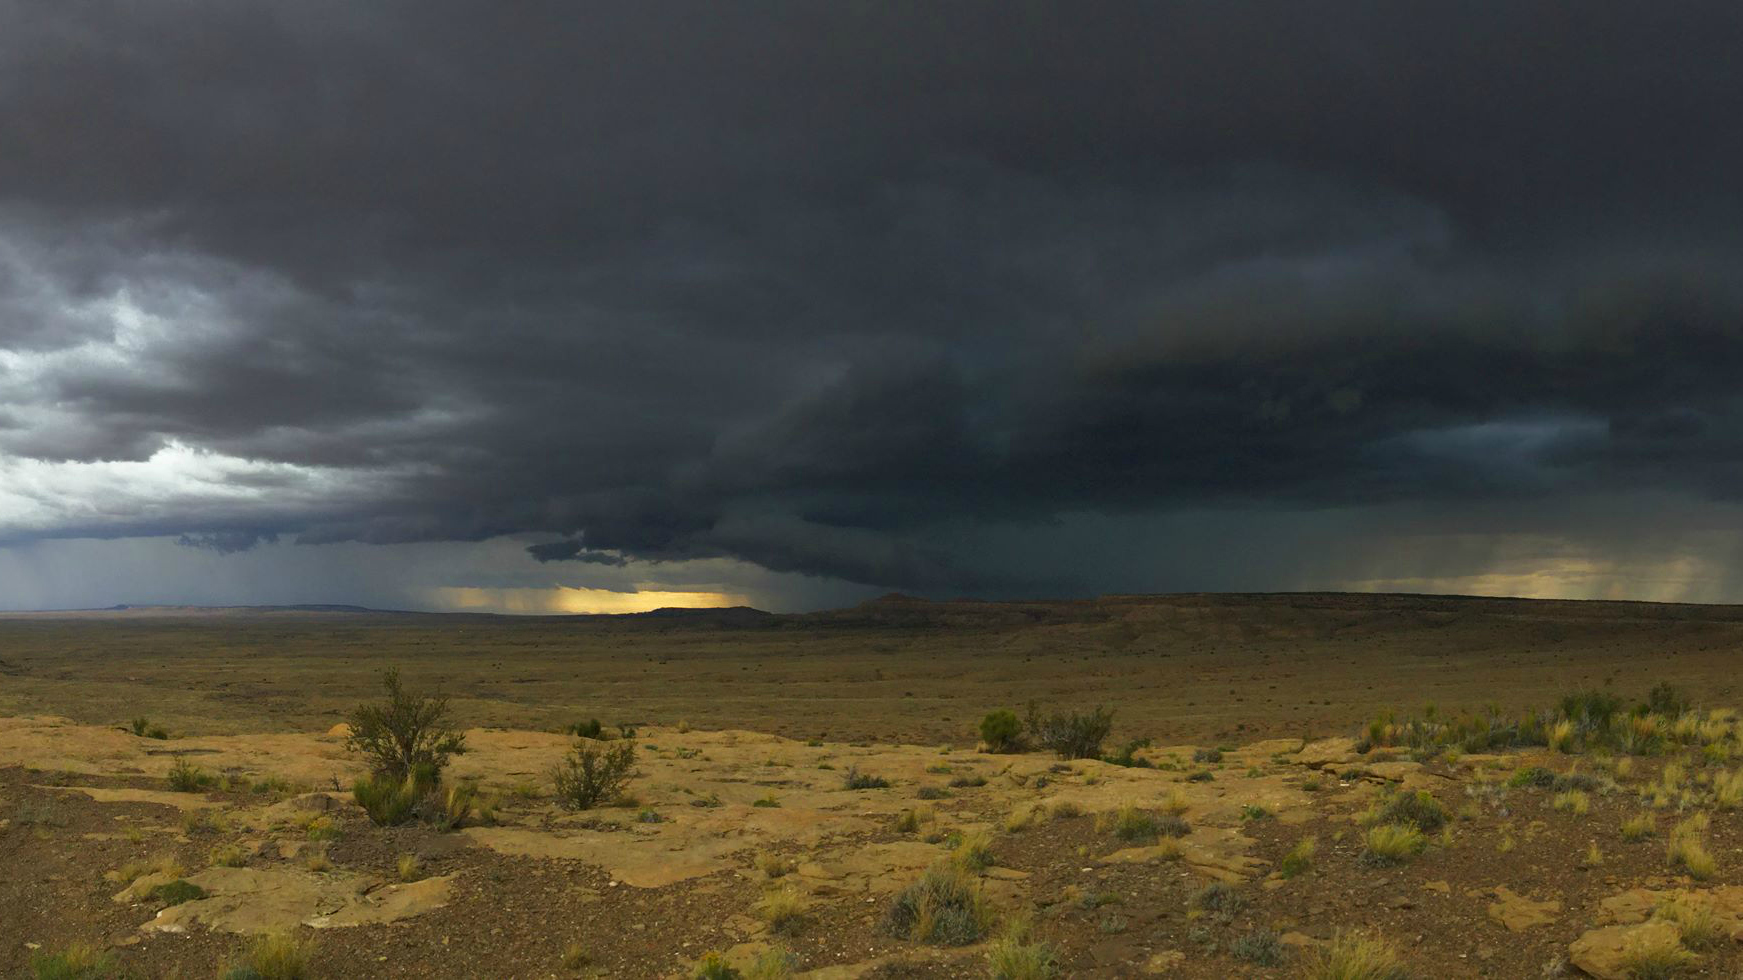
column 505, row 897
column 1174, row 667
column 1516, row 884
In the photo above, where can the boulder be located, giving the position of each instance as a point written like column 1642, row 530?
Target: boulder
column 1519, row 913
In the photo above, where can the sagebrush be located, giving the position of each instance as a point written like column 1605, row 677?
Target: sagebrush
column 405, row 733
column 592, row 773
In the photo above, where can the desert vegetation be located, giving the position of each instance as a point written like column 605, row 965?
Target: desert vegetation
column 1054, row 839
column 592, row 774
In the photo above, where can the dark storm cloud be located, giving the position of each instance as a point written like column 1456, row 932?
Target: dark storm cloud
column 226, row 542
column 829, row 287
column 573, row 551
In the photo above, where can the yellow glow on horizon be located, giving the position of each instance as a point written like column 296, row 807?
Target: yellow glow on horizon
column 562, row 599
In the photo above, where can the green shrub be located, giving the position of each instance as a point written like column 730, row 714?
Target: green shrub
column 1220, row 899
column 388, row 801
column 945, row 906
column 1017, row 956
column 323, row 827
column 591, row 774
column 448, row 809
column 1131, row 824
column 1664, row 699
column 1533, row 776
column 714, row 966
column 773, row 964
column 1002, row 731
column 178, row 891
column 404, row 734
column 1585, row 782
column 1299, row 858
column 1072, row 736
column 185, row 777
column 1210, row 756
column 861, row 780
column 1419, row 809
column 1590, row 711
column 1128, row 755
column 1262, row 946
column 276, row 956
column 79, row 961
column 1393, row 843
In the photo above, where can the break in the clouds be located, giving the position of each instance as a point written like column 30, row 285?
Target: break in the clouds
column 1003, row 298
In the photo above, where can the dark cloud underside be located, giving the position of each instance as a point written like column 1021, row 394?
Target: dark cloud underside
column 842, row 288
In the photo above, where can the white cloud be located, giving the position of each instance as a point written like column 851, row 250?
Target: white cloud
column 42, row 497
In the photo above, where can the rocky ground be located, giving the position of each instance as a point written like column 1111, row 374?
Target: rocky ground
column 1514, row 879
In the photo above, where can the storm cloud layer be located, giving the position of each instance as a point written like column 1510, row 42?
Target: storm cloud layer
column 891, row 295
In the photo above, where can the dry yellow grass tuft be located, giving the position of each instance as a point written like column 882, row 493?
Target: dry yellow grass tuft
column 1573, row 801
column 1393, row 843
column 975, row 852
column 907, row 822
column 1639, row 827
column 277, row 956
column 1687, row 849
column 1299, row 859
column 1016, row 955
column 163, row 864
column 1176, row 803
column 228, row 856
column 1697, row 925
column 1022, row 818
column 1352, row 956
column 1728, row 789
column 774, row 865
column 1652, row 955
column 782, row 910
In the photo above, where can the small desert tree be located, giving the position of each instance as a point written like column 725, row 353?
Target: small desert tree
column 592, row 774
column 1002, row 731
column 1070, row 736
column 404, row 735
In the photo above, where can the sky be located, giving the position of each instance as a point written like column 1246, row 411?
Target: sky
column 569, row 307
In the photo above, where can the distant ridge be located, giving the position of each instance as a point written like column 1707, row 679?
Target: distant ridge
column 907, row 612
column 724, row 616
column 296, row 607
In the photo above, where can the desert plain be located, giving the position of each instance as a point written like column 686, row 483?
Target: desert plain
column 1291, row 786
